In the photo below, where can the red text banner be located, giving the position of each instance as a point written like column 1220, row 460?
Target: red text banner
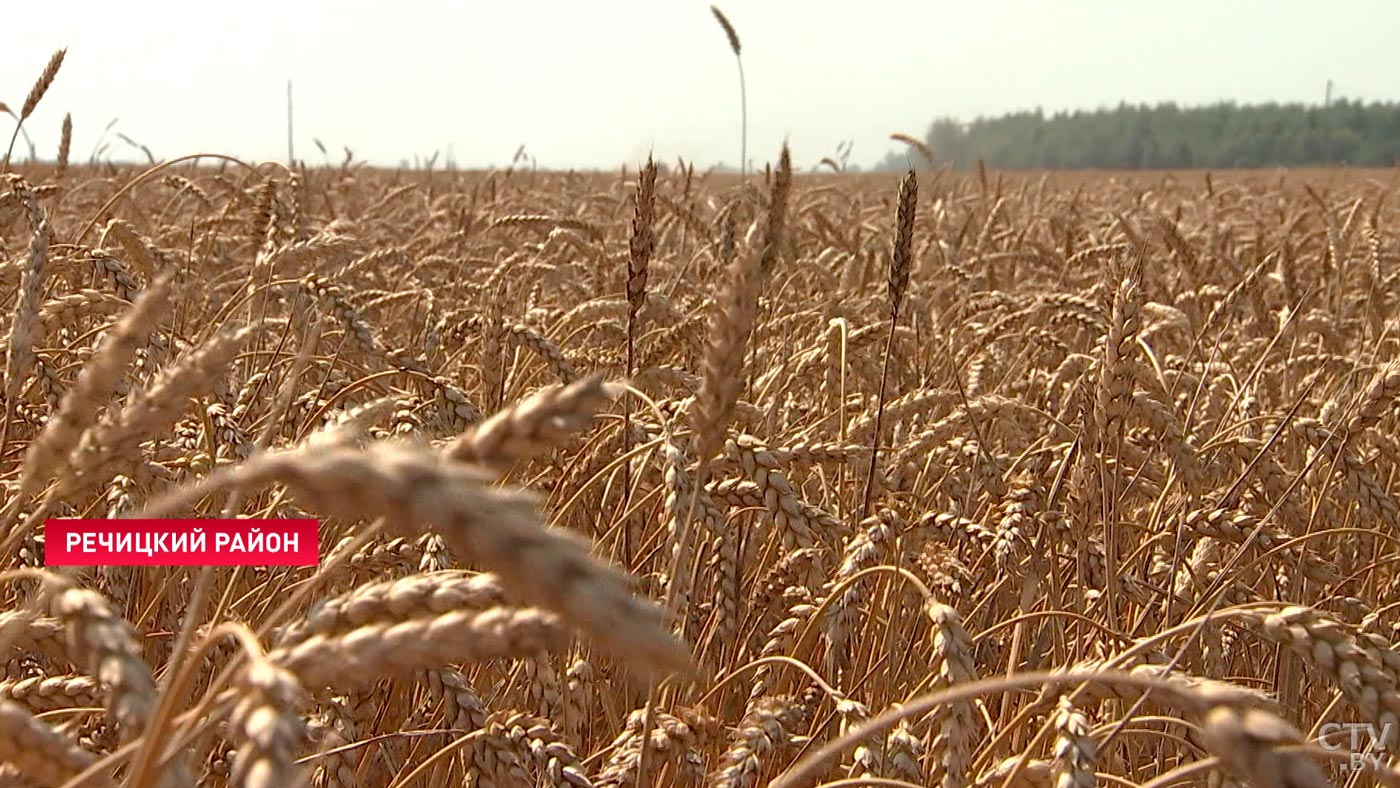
column 75, row 542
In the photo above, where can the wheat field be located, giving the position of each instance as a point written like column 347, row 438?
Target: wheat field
column 674, row 479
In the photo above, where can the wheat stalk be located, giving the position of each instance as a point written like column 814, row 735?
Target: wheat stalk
column 31, row 101
column 733, row 37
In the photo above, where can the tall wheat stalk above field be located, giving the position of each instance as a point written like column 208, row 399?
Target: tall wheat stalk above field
column 733, row 37
column 640, row 248
column 65, row 145
column 901, row 257
column 36, row 94
column 924, row 151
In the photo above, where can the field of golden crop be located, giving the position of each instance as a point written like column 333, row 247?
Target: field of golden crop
column 677, row 480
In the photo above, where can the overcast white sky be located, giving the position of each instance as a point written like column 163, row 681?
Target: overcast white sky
column 599, row 83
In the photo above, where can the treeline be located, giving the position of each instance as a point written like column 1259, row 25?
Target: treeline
column 1168, row 136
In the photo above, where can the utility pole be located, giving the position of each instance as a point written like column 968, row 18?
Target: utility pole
column 291, row 160
column 1327, row 97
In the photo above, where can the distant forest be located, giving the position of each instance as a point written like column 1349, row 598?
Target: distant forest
column 1167, row 136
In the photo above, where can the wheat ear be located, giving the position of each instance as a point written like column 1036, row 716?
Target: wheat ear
column 413, row 487
column 31, row 101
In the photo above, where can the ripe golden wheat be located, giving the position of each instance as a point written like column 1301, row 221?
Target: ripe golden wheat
column 675, row 478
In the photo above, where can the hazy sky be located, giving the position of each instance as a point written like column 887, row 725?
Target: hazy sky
column 602, row 82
